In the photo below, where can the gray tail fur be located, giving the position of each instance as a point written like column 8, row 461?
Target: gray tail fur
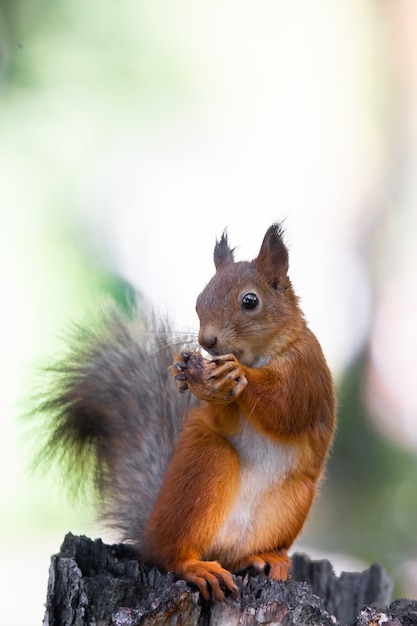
column 114, row 414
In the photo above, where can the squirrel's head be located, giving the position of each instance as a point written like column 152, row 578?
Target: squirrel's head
column 249, row 309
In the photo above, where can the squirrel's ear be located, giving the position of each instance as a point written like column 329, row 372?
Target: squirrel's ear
column 223, row 255
column 272, row 260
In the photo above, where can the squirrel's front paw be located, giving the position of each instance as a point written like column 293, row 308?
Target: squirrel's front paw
column 178, row 370
column 227, row 380
column 215, row 380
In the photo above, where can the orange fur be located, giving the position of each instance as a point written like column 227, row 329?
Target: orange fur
column 248, row 461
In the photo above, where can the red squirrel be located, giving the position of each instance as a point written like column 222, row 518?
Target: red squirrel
column 221, row 476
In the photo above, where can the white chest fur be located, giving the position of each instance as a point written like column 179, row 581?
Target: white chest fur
column 264, row 464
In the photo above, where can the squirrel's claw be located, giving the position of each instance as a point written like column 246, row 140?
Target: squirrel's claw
column 206, row 575
column 215, row 380
column 178, row 369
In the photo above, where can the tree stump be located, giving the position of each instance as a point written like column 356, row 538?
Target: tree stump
column 94, row 584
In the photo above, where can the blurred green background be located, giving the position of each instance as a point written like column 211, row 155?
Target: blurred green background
column 131, row 134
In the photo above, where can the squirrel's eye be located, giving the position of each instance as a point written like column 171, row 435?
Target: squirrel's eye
column 250, row 301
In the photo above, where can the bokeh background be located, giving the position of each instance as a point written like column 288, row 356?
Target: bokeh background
column 131, row 134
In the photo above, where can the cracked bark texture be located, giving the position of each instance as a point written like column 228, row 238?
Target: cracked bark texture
column 94, row 584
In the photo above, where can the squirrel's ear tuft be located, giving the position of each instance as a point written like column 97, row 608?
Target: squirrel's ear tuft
column 223, row 255
column 272, row 260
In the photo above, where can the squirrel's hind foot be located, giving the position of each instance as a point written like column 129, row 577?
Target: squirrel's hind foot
column 206, row 575
column 278, row 562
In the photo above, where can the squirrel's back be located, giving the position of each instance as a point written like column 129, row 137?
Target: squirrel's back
column 114, row 413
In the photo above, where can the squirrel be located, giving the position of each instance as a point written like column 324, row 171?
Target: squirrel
column 222, row 475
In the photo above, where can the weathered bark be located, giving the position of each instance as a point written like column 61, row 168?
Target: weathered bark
column 99, row 585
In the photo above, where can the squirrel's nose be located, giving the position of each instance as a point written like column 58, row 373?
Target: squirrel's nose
column 207, row 339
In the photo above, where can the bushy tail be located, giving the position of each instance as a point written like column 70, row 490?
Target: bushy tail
column 114, row 414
